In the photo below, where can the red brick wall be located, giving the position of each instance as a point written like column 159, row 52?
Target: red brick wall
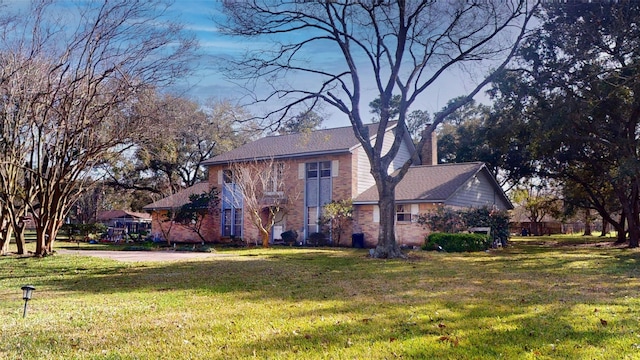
column 343, row 188
column 407, row 233
column 178, row 232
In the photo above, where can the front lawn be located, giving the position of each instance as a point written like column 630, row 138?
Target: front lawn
column 533, row 300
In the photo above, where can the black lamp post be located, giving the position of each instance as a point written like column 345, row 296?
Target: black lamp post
column 27, row 291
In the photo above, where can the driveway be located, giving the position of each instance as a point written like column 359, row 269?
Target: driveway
column 136, row 256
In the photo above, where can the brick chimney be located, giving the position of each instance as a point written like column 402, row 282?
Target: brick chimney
column 429, row 154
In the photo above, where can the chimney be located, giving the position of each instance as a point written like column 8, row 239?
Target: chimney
column 429, row 154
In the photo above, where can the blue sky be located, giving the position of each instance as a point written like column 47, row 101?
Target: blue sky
column 198, row 15
column 208, row 82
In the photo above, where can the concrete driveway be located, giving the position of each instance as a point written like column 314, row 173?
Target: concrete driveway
column 137, row 256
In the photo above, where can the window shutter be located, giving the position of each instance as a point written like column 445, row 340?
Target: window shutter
column 415, row 211
column 220, row 180
column 376, row 214
column 301, row 171
column 335, row 166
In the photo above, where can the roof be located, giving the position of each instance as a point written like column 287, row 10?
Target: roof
column 121, row 214
column 178, row 199
column 430, row 184
column 325, row 141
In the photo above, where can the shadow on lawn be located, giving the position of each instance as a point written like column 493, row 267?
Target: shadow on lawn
column 526, row 332
column 334, row 275
column 509, row 303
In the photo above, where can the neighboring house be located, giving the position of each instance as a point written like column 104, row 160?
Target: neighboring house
column 122, row 222
column 330, row 164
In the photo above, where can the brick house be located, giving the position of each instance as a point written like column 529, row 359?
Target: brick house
column 330, row 164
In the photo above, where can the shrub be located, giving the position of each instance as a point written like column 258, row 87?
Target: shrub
column 317, row 239
column 450, row 221
column 457, row 242
column 289, row 237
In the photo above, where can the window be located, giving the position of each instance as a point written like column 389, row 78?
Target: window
column 237, row 222
column 312, row 219
column 232, row 222
column 403, row 213
column 325, row 169
column 226, row 222
column 227, row 176
column 277, row 180
column 312, row 170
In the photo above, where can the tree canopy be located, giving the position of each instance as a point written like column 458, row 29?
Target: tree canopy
column 575, row 93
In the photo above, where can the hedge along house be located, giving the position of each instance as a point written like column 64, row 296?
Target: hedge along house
column 330, row 164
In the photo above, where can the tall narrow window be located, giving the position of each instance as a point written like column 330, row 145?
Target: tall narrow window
column 231, row 217
column 318, row 192
column 226, row 222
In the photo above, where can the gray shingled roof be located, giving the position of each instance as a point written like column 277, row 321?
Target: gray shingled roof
column 434, row 183
column 336, row 140
column 177, row 200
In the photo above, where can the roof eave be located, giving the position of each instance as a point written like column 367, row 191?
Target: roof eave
column 278, row 157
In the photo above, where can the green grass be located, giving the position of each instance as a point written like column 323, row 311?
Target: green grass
column 533, row 300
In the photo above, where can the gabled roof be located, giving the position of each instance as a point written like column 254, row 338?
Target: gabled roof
column 318, row 142
column 432, row 184
column 177, row 200
column 122, row 214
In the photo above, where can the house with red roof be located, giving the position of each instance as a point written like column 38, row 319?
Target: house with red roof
column 330, row 164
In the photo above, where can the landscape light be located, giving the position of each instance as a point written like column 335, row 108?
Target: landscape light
column 27, row 292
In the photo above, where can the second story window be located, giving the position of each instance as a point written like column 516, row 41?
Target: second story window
column 319, row 169
column 325, row 169
column 312, row 170
column 227, row 176
column 276, row 182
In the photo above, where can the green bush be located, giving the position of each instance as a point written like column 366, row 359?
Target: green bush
column 290, row 237
column 317, row 239
column 457, row 242
column 450, row 220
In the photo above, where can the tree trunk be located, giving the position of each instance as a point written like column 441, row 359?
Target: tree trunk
column 20, row 239
column 41, row 249
column 621, row 229
column 264, row 233
column 634, row 234
column 605, row 228
column 631, row 209
column 387, row 246
column 5, row 239
column 587, row 222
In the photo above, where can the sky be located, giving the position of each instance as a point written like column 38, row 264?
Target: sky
column 198, row 17
column 208, row 81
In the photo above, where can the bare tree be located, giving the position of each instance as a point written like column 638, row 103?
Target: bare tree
column 20, row 80
column 403, row 46
column 80, row 93
column 262, row 192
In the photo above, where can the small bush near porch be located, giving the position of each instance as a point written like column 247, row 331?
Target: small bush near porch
column 543, row 298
